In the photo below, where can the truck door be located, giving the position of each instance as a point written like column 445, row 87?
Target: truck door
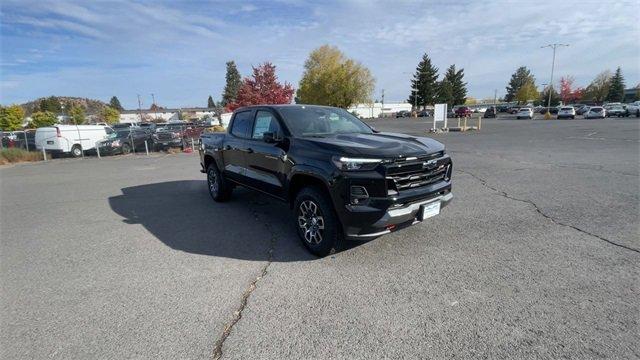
column 264, row 156
column 234, row 147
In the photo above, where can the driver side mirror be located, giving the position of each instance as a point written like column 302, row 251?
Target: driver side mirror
column 270, row 137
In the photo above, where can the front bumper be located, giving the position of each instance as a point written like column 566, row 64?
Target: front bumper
column 360, row 227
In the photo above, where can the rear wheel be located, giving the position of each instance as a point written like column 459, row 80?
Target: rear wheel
column 219, row 188
column 316, row 222
column 76, row 151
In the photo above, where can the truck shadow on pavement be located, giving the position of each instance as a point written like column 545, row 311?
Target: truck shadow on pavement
column 183, row 216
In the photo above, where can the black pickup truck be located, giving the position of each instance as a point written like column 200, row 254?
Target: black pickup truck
column 342, row 178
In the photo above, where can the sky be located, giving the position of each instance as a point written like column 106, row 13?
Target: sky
column 177, row 50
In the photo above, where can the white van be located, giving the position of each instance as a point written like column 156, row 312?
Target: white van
column 64, row 139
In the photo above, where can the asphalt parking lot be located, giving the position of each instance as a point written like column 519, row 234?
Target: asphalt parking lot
column 538, row 256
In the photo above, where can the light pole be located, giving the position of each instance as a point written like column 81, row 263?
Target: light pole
column 553, row 64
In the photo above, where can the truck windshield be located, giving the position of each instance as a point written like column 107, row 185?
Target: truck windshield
column 321, row 121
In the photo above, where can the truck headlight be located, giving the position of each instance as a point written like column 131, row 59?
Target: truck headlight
column 350, row 164
column 115, row 143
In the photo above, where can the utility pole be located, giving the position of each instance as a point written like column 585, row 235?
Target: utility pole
column 155, row 111
column 495, row 97
column 382, row 108
column 140, row 107
column 553, row 64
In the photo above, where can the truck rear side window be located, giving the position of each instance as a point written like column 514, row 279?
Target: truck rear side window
column 241, row 124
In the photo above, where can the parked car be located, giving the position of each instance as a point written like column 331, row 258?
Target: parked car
column 513, row 110
column 596, row 112
column 70, row 139
column 463, row 111
column 616, row 110
column 502, row 108
column 490, row 113
column 524, row 113
column 403, row 114
column 582, row 110
column 149, row 127
column 567, row 112
column 424, row 113
column 633, row 109
column 341, row 178
column 124, row 141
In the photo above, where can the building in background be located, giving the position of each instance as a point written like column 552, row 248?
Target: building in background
column 375, row 110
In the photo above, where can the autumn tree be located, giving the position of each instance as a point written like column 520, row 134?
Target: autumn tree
column 598, row 89
column 109, row 115
column 521, row 77
column 11, row 118
column 115, row 103
column 77, row 115
column 527, row 92
column 233, row 83
column 424, row 84
column 42, row 119
column 330, row 78
column 262, row 88
column 616, row 87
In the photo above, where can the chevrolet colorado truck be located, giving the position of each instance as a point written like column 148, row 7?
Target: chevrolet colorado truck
column 341, row 178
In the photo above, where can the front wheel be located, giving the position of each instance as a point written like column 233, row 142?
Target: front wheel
column 316, row 222
column 219, row 189
column 126, row 148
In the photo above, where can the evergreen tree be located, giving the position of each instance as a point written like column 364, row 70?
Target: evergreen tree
column 51, row 104
column 424, row 84
column 521, row 77
column 210, row 103
column 544, row 97
column 458, row 86
column 445, row 93
column 616, row 87
column 115, row 103
column 234, row 81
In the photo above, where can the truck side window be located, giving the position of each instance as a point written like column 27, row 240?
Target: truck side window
column 265, row 122
column 241, row 124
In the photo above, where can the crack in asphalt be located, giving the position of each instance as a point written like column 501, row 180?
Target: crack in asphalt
column 237, row 315
column 539, row 211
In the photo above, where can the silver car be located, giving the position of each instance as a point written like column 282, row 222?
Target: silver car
column 595, row 112
column 566, row 112
column 524, row 113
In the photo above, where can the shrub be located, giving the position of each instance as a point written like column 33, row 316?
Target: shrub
column 14, row 155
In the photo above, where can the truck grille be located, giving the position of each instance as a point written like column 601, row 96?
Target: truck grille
column 411, row 174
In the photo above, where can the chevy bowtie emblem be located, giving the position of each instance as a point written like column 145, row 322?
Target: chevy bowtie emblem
column 429, row 164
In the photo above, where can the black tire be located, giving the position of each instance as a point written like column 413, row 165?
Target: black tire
column 573, row 117
column 76, row 151
column 219, row 188
column 316, row 222
column 126, row 148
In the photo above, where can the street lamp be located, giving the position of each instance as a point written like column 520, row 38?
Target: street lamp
column 553, row 63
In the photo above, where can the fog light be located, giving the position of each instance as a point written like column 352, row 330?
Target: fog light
column 358, row 193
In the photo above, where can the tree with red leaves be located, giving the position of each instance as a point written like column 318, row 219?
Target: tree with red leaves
column 262, row 88
column 566, row 84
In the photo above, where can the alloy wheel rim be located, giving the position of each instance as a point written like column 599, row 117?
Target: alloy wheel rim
column 213, row 182
column 311, row 222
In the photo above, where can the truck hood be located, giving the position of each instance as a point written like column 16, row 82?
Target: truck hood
column 379, row 145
